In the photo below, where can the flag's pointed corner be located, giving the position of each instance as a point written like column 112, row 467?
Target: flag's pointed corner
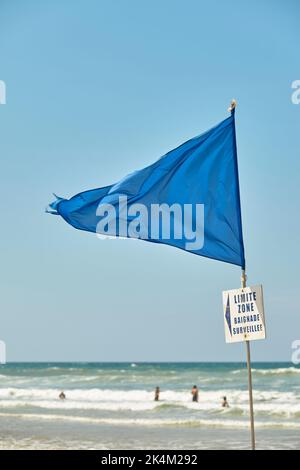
column 52, row 207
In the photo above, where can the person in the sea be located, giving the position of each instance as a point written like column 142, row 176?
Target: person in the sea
column 62, row 395
column 156, row 394
column 195, row 393
column 225, row 403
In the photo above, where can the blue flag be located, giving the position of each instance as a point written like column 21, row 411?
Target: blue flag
column 188, row 199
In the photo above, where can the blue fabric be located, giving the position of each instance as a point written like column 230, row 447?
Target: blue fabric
column 201, row 171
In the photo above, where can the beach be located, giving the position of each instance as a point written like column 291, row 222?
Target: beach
column 111, row 406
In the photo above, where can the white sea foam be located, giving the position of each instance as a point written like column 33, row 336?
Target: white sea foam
column 279, row 371
column 214, row 423
column 267, row 403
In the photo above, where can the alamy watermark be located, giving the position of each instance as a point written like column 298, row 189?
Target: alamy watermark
column 2, row 352
column 296, row 94
column 2, row 92
column 153, row 222
column 296, row 352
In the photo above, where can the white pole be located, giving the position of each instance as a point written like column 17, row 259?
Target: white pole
column 244, row 278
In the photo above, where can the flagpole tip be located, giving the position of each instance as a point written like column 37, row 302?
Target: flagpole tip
column 232, row 106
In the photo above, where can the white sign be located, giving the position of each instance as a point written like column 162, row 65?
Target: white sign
column 244, row 317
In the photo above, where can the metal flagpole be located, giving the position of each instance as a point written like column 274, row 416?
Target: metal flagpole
column 244, row 279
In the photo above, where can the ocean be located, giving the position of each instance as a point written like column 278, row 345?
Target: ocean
column 111, row 406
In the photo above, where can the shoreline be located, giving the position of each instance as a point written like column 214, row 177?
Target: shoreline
column 106, row 437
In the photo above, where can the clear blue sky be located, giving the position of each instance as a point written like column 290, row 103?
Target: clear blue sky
column 96, row 89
